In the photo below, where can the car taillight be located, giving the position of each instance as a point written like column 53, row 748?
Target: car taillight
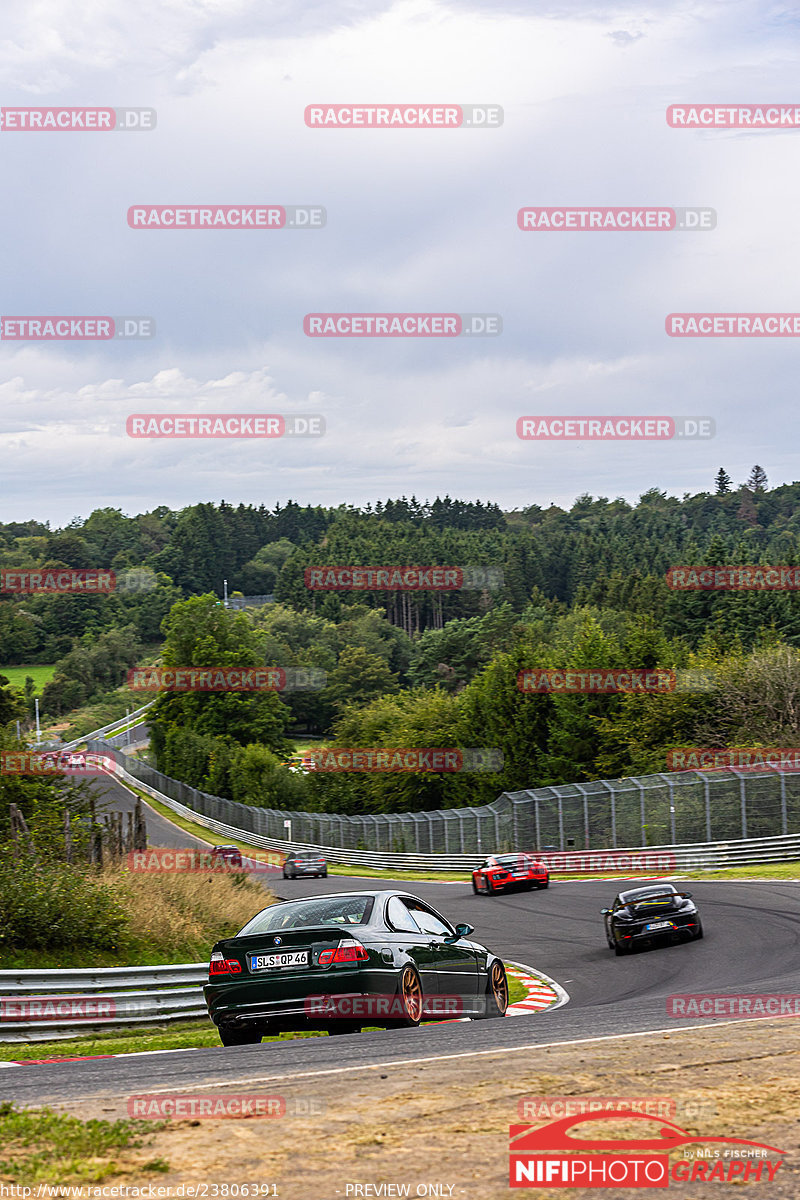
column 346, row 952
column 220, row 965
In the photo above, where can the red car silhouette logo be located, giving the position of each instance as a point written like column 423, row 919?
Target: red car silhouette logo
column 531, row 1139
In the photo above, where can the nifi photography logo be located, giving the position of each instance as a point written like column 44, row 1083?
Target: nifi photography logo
column 556, row 1156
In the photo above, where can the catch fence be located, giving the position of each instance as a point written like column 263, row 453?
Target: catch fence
column 689, row 807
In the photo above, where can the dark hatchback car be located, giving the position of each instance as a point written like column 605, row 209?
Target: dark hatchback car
column 648, row 913
column 340, row 962
column 305, row 862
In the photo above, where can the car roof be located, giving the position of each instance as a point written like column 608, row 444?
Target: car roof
column 653, row 889
column 379, row 893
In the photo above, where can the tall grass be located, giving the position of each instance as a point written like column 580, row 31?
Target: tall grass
column 183, row 912
column 60, row 915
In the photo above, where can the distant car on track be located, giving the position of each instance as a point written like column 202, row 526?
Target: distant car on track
column 343, row 961
column 502, row 871
column 305, row 862
column 652, row 912
column 231, row 856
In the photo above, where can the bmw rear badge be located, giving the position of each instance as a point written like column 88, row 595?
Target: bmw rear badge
column 278, row 941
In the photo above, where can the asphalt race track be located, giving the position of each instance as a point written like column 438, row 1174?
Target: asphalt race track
column 751, row 944
column 111, row 796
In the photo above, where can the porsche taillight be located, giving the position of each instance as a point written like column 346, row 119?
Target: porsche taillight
column 349, row 951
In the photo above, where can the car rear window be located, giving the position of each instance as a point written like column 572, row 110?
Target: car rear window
column 298, row 914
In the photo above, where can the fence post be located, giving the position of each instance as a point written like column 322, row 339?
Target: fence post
column 707, row 799
column 613, row 799
column 538, row 826
column 560, row 822
column 784, row 817
column 642, row 814
column 743, row 798
column 585, row 795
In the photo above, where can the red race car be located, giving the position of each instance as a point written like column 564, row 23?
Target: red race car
column 501, row 871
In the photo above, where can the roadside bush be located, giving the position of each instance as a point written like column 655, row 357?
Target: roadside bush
column 56, row 906
column 117, row 916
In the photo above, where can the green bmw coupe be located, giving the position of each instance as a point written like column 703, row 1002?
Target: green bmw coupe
column 343, row 961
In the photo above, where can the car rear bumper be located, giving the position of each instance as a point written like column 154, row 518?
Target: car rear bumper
column 640, row 934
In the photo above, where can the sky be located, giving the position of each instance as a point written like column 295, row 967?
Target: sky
column 417, row 221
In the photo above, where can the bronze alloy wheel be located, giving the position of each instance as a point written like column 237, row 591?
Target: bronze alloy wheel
column 496, row 991
column 410, row 991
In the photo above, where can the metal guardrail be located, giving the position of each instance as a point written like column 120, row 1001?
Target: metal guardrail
column 50, row 1005
column 106, row 729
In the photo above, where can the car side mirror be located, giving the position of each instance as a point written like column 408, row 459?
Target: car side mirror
column 604, row 912
column 462, row 931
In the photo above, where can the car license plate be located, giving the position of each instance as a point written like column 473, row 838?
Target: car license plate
column 284, row 958
column 660, row 925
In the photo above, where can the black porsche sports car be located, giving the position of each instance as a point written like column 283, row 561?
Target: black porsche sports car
column 643, row 914
column 343, row 961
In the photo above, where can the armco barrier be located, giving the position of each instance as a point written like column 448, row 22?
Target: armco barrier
column 50, row 1005
column 130, row 719
column 658, row 859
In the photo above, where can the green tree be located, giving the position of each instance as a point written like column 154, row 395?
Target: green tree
column 722, row 482
column 358, row 677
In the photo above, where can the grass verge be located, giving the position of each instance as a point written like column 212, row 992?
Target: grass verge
column 188, row 1035
column 37, row 1145
column 790, row 870
column 516, row 991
